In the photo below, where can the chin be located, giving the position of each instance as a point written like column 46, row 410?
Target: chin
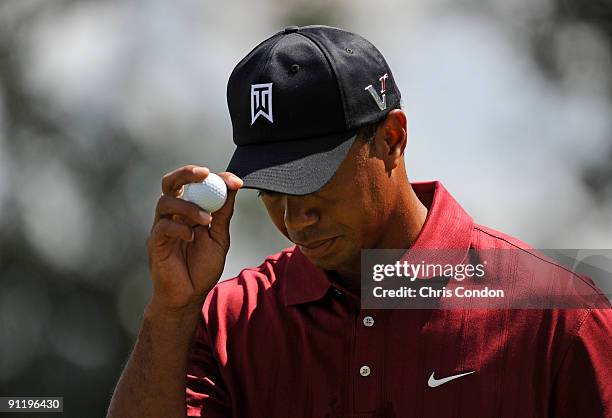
column 325, row 263
column 337, row 260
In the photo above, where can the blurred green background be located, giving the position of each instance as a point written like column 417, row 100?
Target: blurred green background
column 509, row 104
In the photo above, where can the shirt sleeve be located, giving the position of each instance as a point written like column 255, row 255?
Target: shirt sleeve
column 206, row 394
column 584, row 382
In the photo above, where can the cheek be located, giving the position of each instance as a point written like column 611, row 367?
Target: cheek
column 353, row 213
column 373, row 212
column 277, row 215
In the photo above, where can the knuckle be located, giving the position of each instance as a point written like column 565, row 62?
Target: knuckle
column 187, row 169
column 164, row 199
column 194, row 211
column 169, row 178
column 161, row 203
column 154, row 237
column 167, row 204
column 161, row 226
column 166, row 178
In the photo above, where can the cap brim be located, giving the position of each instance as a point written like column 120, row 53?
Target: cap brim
column 295, row 167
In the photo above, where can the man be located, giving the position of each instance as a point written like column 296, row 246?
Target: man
column 319, row 131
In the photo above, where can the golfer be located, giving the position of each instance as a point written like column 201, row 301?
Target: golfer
column 319, row 131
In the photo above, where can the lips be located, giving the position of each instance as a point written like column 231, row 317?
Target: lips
column 316, row 248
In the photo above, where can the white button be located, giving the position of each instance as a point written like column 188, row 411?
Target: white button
column 364, row 371
column 368, row 321
column 338, row 292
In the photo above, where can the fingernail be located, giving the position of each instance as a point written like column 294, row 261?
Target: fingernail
column 205, row 217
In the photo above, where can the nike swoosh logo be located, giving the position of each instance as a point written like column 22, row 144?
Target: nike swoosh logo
column 433, row 382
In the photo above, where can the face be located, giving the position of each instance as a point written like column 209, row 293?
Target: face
column 349, row 213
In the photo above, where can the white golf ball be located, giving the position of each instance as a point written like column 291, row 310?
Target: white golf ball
column 210, row 194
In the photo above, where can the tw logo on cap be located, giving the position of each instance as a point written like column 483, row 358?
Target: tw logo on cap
column 381, row 102
column 261, row 101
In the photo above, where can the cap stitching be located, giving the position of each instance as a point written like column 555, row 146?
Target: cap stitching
column 270, row 52
column 247, row 56
column 324, row 52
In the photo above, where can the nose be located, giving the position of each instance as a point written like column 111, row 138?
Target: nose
column 299, row 213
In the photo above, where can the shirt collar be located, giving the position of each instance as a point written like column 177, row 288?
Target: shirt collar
column 447, row 226
column 304, row 282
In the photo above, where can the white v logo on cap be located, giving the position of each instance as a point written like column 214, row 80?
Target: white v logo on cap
column 433, row 382
column 381, row 102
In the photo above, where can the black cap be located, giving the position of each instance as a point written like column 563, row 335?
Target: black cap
column 296, row 103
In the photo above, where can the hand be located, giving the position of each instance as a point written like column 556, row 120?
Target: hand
column 187, row 246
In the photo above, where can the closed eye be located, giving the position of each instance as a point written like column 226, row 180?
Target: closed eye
column 261, row 192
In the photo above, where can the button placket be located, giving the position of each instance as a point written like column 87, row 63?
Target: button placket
column 367, row 359
column 365, row 370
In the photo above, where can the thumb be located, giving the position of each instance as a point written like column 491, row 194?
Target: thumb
column 219, row 228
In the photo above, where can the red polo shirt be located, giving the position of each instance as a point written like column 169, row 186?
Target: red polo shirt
column 281, row 340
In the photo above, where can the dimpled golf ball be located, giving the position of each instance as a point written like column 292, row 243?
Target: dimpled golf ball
column 210, row 194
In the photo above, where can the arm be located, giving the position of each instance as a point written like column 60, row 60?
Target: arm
column 187, row 249
column 153, row 381
column 583, row 386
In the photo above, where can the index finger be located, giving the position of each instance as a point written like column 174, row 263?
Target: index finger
column 173, row 182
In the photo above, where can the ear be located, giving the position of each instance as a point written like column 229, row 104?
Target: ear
column 391, row 138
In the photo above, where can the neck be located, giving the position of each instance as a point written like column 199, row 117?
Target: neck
column 405, row 222
column 402, row 228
